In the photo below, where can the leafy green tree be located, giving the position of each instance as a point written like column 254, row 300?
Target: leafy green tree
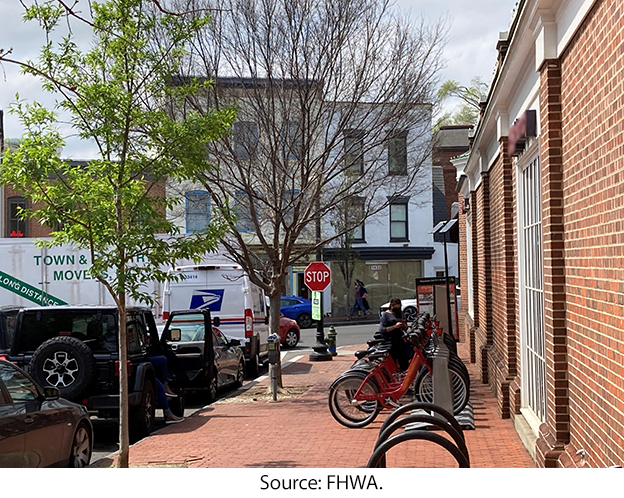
column 470, row 96
column 115, row 94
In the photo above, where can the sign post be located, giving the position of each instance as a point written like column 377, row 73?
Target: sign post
column 317, row 276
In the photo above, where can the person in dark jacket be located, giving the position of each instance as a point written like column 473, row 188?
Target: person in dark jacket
column 391, row 327
column 358, row 305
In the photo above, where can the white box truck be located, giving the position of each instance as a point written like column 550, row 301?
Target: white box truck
column 227, row 291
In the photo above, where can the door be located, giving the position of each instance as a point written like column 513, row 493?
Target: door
column 42, row 423
column 12, row 432
column 532, row 336
column 228, row 359
column 188, row 348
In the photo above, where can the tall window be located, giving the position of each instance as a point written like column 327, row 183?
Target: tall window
column 246, row 140
column 468, row 285
column 244, row 222
column 397, row 154
column 354, row 151
column 398, row 220
column 293, row 141
column 197, row 211
column 533, row 364
column 16, row 226
column 356, row 213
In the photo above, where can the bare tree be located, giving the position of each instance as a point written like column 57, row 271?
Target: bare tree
column 334, row 103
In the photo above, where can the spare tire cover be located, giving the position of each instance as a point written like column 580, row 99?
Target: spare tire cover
column 65, row 363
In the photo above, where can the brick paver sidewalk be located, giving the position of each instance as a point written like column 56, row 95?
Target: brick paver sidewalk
column 236, row 434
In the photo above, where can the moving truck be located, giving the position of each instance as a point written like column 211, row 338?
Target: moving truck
column 227, row 291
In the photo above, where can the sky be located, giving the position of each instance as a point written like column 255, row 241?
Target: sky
column 470, row 50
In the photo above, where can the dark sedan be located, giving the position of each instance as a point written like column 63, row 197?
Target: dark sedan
column 37, row 427
column 298, row 309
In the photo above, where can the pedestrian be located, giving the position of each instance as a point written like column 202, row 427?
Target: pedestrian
column 358, row 305
column 367, row 307
column 391, row 327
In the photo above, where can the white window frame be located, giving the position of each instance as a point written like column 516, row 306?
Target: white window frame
column 469, row 270
column 531, row 290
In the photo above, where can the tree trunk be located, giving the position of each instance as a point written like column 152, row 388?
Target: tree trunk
column 124, row 435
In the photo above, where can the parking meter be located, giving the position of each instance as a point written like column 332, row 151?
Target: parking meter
column 273, row 343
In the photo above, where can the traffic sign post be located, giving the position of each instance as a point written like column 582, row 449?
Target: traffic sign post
column 317, row 276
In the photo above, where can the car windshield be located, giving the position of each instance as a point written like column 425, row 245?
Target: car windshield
column 191, row 327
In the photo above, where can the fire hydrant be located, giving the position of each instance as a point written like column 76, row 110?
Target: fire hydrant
column 331, row 340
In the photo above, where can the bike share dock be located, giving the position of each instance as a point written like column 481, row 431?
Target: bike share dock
column 307, row 436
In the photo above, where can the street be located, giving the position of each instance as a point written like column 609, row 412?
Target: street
column 107, row 431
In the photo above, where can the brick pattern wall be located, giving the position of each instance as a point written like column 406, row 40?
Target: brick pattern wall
column 463, row 272
column 35, row 229
column 476, row 270
column 502, row 355
column 554, row 433
column 483, row 299
column 592, row 86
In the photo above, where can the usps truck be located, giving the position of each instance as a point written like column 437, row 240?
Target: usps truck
column 227, row 291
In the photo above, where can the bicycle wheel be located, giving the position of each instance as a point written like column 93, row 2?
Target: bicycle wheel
column 458, row 365
column 423, row 387
column 341, row 395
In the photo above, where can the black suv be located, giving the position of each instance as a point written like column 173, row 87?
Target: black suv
column 75, row 348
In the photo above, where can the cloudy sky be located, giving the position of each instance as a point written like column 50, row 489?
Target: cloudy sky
column 471, row 48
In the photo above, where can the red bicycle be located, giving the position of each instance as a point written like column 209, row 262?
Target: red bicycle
column 358, row 395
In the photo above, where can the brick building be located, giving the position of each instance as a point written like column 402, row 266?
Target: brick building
column 542, row 232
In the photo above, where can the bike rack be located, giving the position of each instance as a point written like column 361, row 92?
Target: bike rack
column 444, row 420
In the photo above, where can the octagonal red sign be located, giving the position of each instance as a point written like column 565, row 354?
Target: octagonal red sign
column 317, row 276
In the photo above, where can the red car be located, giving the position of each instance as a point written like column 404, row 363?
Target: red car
column 289, row 332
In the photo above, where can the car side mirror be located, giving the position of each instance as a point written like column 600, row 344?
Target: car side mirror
column 235, row 342
column 51, row 393
column 216, row 321
column 176, row 335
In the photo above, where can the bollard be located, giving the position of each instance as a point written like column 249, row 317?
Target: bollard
column 331, row 341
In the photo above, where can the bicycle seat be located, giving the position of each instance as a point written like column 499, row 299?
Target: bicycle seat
column 362, row 353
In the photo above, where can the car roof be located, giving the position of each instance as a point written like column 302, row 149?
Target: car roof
column 79, row 307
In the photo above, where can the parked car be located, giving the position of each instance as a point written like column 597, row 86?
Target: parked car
column 289, row 332
column 75, row 349
column 409, row 307
column 37, row 427
column 297, row 308
column 228, row 292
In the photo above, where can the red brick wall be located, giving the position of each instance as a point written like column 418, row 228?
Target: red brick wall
column 554, row 433
column 502, row 355
column 483, row 297
column 592, row 88
column 35, row 229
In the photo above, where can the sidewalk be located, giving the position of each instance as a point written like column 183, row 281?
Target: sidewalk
column 231, row 434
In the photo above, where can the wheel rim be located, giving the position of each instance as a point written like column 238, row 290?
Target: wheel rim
column 342, row 397
column 305, row 321
column 149, row 409
column 60, row 369
column 81, row 448
column 291, row 339
column 410, row 314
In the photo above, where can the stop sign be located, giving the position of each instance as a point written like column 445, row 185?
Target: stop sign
column 317, row 276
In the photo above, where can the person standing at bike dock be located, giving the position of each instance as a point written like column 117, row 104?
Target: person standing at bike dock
column 391, row 327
